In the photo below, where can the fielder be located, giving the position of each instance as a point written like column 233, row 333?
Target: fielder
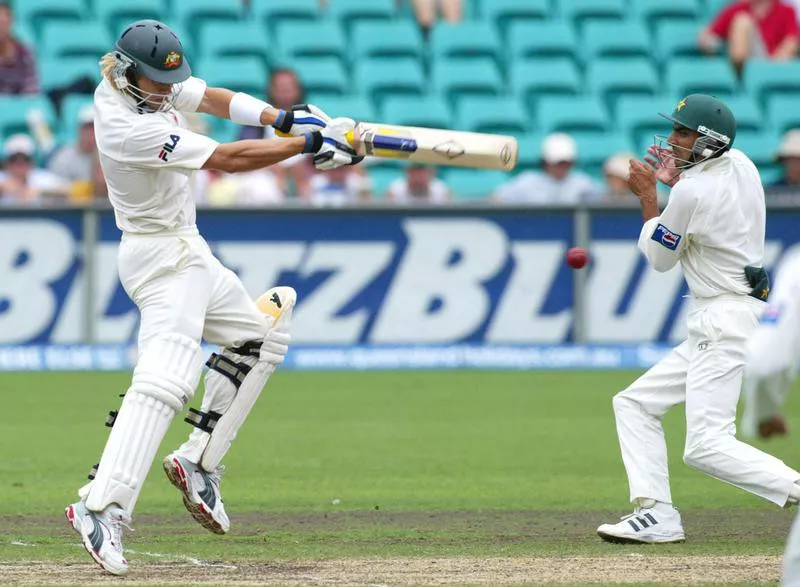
column 184, row 294
column 773, row 354
column 714, row 226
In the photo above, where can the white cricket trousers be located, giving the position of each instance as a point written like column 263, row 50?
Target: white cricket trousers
column 180, row 287
column 705, row 372
column 791, row 557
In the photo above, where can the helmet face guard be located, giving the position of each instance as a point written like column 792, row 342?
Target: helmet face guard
column 669, row 154
column 124, row 70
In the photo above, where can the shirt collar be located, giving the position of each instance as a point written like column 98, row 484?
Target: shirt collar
column 700, row 167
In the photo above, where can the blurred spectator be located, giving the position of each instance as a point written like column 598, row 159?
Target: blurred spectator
column 76, row 162
column 425, row 11
column 753, row 29
column 557, row 184
column 17, row 63
column 20, row 181
column 340, row 187
column 259, row 188
column 284, row 91
column 418, row 185
column 616, row 171
column 789, row 156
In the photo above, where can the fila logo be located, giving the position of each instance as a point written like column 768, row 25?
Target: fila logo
column 666, row 237
column 168, row 147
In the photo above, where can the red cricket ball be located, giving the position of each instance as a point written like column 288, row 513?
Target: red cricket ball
column 577, row 257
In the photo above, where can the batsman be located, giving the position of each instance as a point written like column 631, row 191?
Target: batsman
column 183, row 293
column 714, row 226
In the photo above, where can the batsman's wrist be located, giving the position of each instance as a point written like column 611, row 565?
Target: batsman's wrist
column 284, row 121
column 313, row 142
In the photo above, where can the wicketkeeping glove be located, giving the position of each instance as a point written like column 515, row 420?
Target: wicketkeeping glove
column 301, row 119
column 336, row 150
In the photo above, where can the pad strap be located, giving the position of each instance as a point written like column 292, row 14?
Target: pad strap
column 233, row 371
column 249, row 349
column 205, row 421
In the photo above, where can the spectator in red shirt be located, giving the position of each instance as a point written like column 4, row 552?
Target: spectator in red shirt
column 17, row 63
column 764, row 29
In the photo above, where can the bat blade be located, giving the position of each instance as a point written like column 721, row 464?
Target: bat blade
column 434, row 146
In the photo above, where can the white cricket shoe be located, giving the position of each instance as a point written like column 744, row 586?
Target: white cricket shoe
column 660, row 524
column 101, row 533
column 200, row 490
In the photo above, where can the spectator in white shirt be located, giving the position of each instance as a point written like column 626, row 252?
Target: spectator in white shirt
column 418, row 185
column 340, row 187
column 20, row 181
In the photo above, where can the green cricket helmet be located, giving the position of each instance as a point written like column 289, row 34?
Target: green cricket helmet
column 708, row 116
column 156, row 52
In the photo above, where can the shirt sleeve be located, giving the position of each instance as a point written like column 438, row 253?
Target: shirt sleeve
column 190, row 95
column 156, row 143
column 722, row 23
column 663, row 238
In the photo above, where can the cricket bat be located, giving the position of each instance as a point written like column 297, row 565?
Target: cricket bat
column 433, row 146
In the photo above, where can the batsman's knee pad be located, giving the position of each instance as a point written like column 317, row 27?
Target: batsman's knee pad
column 165, row 377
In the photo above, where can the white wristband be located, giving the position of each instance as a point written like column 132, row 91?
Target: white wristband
column 245, row 109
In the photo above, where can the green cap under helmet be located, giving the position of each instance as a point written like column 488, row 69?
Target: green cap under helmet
column 708, row 116
column 155, row 50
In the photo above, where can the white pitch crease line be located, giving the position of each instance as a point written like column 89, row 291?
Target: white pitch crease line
column 183, row 557
column 20, row 543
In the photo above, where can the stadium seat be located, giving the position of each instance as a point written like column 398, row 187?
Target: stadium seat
column 14, row 111
column 24, row 34
column 704, row 75
column 356, row 107
column 70, row 111
column 382, row 177
column 322, row 38
column 274, row 12
column 492, row 115
column 530, row 151
column 191, row 15
column 760, row 146
column 379, row 79
column 429, row 111
column 639, row 117
column 240, row 74
column 651, row 11
column 763, row 79
column 578, row 11
column 747, row 112
column 552, row 38
column 322, row 75
column 472, row 184
column 59, row 72
column 349, row 12
column 677, row 39
column 605, row 38
column 594, row 148
column 234, row 39
column 387, row 39
column 608, row 78
column 531, row 80
column 70, row 39
column 477, row 76
column 572, row 114
column 35, row 13
column 783, row 112
column 464, row 40
column 713, row 7
column 117, row 14
column 501, row 12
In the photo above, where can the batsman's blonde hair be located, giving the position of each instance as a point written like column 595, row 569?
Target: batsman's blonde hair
column 107, row 64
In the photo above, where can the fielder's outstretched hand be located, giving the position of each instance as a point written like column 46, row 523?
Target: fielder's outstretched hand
column 301, row 119
column 663, row 162
column 336, row 150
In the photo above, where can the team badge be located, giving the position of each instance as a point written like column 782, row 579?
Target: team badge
column 666, row 237
column 681, row 105
column 172, row 60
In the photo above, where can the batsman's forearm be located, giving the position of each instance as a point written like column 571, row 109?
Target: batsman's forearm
column 250, row 155
column 649, row 208
column 217, row 102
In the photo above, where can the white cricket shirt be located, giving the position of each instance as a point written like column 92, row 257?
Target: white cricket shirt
column 714, row 225
column 148, row 158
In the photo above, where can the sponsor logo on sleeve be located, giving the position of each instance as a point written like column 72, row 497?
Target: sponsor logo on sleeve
column 771, row 315
column 168, row 147
column 666, row 237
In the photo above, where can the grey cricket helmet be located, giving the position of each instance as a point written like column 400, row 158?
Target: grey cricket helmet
column 156, row 51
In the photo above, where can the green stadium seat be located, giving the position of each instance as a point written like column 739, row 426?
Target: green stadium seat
column 323, row 38
column 35, row 13
column 379, row 79
column 608, row 78
column 704, row 75
column 70, row 111
column 355, row 107
column 531, row 80
column 473, row 184
column 192, row 15
column 24, row 33
column 677, row 39
column 59, row 72
column 429, row 111
column 492, row 115
column 760, row 146
column 578, row 11
column 604, row 38
column 322, row 75
column 233, row 39
column 273, row 12
column 747, row 112
column 651, row 11
column 502, row 12
column 530, row 151
column 552, row 38
column 14, row 111
column 764, row 79
column 70, row 39
column 712, row 8
column 572, row 114
column 594, row 148
column 240, row 74
column 464, row 40
column 783, row 112
column 387, row 39
column 476, row 76
column 638, row 116
column 349, row 12
column 118, row 14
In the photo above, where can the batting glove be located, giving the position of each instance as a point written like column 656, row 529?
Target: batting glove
column 336, row 150
column 301, row 119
